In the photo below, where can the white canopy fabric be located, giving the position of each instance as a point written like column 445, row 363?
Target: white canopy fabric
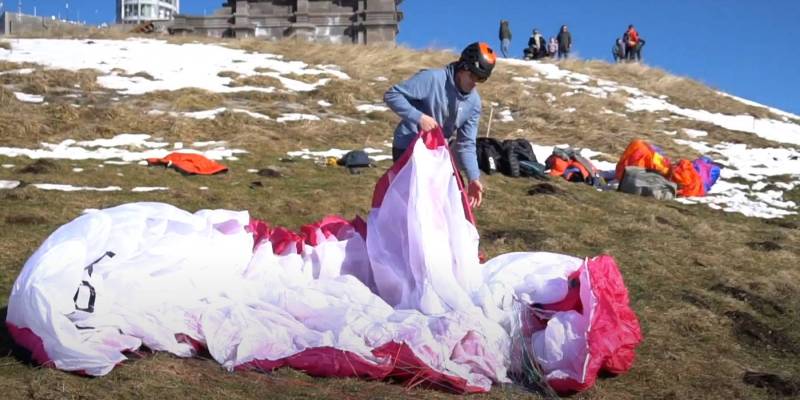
column 328, row 301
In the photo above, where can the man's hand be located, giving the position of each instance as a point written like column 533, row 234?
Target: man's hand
column 475, row 193
column 427, row 123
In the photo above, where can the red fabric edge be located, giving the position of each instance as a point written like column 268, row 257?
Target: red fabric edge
column 398, row 362
column 25, row 338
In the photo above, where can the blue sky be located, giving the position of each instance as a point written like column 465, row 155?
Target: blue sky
column 746, row 48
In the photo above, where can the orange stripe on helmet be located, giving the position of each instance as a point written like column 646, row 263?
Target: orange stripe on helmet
column 487, row 52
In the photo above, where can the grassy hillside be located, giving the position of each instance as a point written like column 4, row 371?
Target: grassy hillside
column 717, row 294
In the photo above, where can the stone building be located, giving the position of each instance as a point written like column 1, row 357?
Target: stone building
column 338, row 21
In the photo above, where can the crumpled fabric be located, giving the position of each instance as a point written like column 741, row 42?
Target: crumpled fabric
column 405, row 297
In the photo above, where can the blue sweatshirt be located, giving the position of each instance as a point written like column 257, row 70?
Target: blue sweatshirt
column 434, row 92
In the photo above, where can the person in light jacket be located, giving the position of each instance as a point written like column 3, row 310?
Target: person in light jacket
column 446, row 97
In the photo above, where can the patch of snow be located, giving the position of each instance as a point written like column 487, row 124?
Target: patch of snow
column 70, row 188
column 339, row 120
column 755, row 104
column 529, row 79
column 28, row 98
column 368, row 108
column 21, row 71
column 570, row 110
column 324, row 103
column 307, row 154
column 778, row 131
column 8, row 166
column 754, row 165
column 505, row 116
column 203, row 188
column 208, row 114
column 8, row 184
column 252, row 170
column 77, row 170
column 209, row 143
column 611, row 112
column 694, row 133
column 179, row 66
column 109, row 149
column 381, row 78
column 251, row 114
column 142, row 189
column 297, row 117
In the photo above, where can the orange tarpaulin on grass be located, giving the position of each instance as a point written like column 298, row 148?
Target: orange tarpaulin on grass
column 189, row 163
column 641, row 154
column 689, row 182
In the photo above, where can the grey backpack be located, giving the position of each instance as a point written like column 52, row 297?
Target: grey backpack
column 637, row 180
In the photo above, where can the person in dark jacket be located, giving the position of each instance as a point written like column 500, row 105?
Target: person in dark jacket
column 448, row 98
column 618, row 50
column 537, row 45
column 505, row 37
column 564, row 42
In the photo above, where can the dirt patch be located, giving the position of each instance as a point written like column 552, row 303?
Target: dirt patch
column 783, row 224
column 270, row 172
column 25, row 219
column 544, row 188
column 41, row 166
column 664, row 221
column 696, row 300
column 774, row 384
column 766, row 245
column 749, row 330
column 761, row 304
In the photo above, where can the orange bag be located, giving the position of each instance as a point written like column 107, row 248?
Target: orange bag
column 641, row 154
column 690, row 184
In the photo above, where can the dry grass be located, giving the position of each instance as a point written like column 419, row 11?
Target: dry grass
column 264, row 81
column 703, row 282
column 46, row 81
column 185, row 99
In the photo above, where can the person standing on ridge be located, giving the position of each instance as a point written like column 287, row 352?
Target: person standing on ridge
column 631, row 43
column 564, row 42
column 445, row 97
column 552, row 47
column 618, row 50
column 505, row 37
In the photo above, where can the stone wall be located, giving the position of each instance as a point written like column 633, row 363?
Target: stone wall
column 338, row 21
column 15, row 24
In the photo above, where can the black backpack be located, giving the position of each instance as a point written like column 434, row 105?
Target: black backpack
column 514, row 151
column 490, row 153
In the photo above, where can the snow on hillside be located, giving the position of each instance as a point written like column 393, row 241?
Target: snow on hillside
column 172, row 66
column 745, row 185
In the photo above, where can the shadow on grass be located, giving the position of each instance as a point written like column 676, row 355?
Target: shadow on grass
column 7, row 346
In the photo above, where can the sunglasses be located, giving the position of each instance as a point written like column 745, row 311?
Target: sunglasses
column 477, row 78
